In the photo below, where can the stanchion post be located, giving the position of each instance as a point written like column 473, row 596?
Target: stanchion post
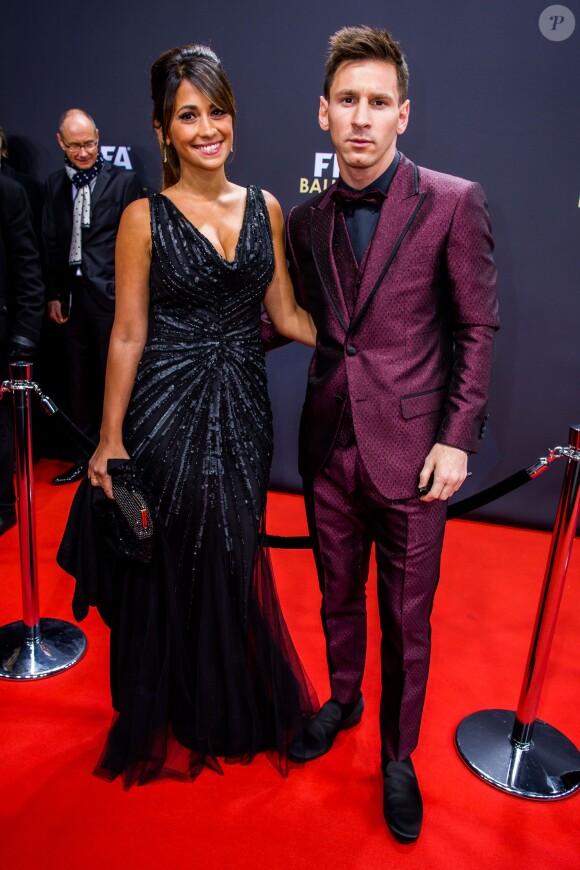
column 21, row 372
column 32, row 647
column 497, row 745
column 553, row 588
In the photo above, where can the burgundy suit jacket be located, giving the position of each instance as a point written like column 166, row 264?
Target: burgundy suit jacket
column 415, row 357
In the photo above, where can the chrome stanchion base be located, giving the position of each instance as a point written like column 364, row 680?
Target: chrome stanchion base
column 547, row 769
column 59, row 645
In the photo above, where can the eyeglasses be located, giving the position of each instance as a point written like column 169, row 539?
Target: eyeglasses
column 75, row 147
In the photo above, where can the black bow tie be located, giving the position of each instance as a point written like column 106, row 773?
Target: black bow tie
column 372, row 195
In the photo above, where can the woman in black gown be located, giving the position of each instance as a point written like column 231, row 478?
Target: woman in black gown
column 202, row 665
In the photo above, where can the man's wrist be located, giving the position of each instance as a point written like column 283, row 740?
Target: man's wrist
column 455, row 447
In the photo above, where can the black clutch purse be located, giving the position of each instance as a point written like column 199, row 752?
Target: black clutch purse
column 129, row 518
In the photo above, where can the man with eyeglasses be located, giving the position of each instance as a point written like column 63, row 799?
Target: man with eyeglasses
column 82, row 209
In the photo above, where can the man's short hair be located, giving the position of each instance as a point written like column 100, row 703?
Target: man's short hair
column 68, row 112
column 365, row 43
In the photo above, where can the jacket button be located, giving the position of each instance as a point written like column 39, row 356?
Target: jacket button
column 339, row 400
column 351, row 350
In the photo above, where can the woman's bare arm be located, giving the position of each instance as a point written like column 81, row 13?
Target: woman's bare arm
column 132, row 264
column 287, row 316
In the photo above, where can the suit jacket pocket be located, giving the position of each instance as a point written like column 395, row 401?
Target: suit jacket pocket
column 417, row 404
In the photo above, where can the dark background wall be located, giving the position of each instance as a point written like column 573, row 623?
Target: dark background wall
column 493, row 99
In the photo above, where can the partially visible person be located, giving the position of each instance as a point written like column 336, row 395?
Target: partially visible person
column 21, row 315
column 31, row 185
column 395, row 263
column 202, row 665
column 83, row 205
column 3, row 148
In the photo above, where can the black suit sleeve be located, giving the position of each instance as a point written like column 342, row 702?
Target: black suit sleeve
column 133, row 190
column 294, row 260
column 22, row 285
column 52, row 248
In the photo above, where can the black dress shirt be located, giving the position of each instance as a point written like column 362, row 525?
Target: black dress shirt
column 361, row 217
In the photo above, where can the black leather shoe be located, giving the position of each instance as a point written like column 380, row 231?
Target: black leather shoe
column 71, row 475
column 402, row 802
column 319, row 733
column 7, row 521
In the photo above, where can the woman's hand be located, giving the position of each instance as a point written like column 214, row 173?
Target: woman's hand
column 98, row 475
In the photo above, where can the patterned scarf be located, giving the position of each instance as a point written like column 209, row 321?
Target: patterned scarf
column 82, row 179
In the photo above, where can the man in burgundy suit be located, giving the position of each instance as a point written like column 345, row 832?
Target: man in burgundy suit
column 394, row 262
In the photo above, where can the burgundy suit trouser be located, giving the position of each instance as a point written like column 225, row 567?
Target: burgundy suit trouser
column 346, row 514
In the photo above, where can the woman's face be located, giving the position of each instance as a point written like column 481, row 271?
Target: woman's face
column 201, row 133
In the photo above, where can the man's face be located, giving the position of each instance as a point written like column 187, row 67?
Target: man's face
column 79, row 140
column 364, row 118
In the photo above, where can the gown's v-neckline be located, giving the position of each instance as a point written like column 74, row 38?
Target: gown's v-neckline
column 207, row 241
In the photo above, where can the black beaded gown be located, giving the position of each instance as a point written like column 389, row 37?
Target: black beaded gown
column 202, row 665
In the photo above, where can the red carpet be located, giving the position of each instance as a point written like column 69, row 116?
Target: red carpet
column 328, row 814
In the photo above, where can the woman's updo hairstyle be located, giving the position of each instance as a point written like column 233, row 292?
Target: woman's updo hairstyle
column 200, row 66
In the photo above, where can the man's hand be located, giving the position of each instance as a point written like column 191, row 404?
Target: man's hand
column 448, row 467
column 55, row 311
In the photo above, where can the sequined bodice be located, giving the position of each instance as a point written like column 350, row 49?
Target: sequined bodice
column 197, row 295
column 200, row 415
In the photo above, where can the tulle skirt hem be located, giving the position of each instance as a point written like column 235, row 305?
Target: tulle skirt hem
column 216, row 686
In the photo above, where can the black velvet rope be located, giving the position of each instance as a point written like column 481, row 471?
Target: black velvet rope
column 465, row 506
column 303, row 542
column 82, row 441
column 297, row 542
column 486, row 496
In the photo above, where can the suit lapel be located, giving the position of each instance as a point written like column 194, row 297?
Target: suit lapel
column 63, row 204
column 398, row 213
column 321, row 234
column 101, row 184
